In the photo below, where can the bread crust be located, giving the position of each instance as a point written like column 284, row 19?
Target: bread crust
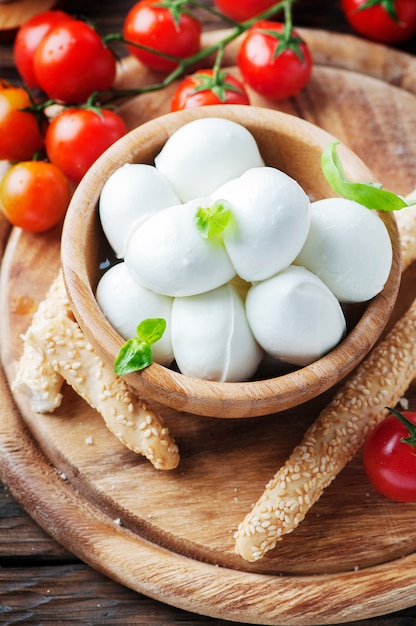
column 56, row 351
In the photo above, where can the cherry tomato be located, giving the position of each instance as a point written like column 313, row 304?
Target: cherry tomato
column 274, row 69
column 390, row 463
column 155, row 26
column 28, row 38
column 20, row 135
column 71, row 62
column 209, row 87
column 34, row 195
column 75, row 138
column 243, row 9
column 377, row 21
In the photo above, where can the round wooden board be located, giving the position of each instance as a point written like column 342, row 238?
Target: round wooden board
column 169, row 535
column 16, row 12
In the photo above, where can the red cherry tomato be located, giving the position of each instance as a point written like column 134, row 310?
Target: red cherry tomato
column 34, row 195
column 75, row 138
column 273, row 69
column 207, row 87
column 71, row 62
column 155, row 26
column 20, row 135
column 375, row 22
column 243, row 9
column 390, row 463
column 28, row 38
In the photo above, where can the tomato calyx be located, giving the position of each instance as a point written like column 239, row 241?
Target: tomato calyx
column 176, row 8
column 388, row 6
column 287, row 39
column 411, row 439
column 38, row 109
column 217, row 83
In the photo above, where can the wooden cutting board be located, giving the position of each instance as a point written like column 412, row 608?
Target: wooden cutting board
column 169, row 535
column 16, row 12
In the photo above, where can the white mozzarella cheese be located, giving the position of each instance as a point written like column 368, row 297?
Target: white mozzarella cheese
column 294, row 316
column 168, row 254
column 270, row 221
column 349, row 248
column 129, row 196
column 205, row 153
column 211, row 338
column 125, row 304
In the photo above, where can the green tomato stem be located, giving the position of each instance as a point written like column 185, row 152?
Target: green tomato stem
column 104, row 98
column 388, row 6
column 183, row 64
column 411, row 440
column 288, row 27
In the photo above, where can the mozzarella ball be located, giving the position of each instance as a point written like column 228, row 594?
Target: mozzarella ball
column 168, row 254
column 205, row 153
column 349, row 248
column 125, row 304
column 129, row 196
column 211, row 338
column 270, row 221
column 294, row 316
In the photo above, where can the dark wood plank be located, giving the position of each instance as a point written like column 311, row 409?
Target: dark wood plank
column 21, row 539
column 36, row 595
column 52, row 594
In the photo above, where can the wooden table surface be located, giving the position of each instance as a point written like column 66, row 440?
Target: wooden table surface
column 40, row 582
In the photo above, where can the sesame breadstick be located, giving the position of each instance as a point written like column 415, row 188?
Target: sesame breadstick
column 406, row 223
column 35, row 378
column 341, row 428
column 334, row 438
column 139, row 428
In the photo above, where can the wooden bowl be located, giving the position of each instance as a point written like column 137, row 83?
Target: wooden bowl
column 294, row 146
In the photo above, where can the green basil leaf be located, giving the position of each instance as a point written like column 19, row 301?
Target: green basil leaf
column 134, row 355
column 368, row 194
column 151, row 329
column 211, row 221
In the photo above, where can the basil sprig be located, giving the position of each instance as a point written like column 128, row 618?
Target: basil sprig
column 136, row 353
column 369, row 194
column 211, row 221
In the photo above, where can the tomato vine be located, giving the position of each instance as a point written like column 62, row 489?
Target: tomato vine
column 183, row 64
column 63, row 111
